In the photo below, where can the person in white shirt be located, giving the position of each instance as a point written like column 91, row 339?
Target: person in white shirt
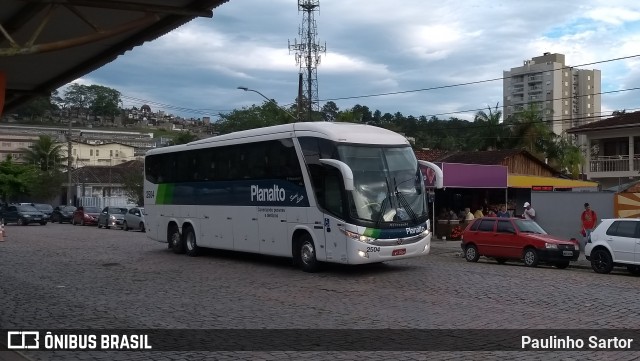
column 529, row 212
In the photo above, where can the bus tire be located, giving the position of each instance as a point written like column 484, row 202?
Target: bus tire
column 175, row 240
column 307, row 254
column 190, row 242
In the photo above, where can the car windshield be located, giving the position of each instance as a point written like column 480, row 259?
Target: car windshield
column 27, row 209
column 529, row 226
column 44, row 207
column 387, row 181
column 91, row 210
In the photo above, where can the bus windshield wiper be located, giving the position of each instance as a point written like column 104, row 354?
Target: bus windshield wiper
column 403, row 201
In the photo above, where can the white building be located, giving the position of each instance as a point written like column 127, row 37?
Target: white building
column 568, row 97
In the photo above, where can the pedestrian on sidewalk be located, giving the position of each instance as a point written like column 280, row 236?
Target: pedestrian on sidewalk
column 502, row 213
column 529, row 212
column 588, row 220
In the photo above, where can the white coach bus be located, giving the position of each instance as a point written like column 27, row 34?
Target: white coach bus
column 315, row 192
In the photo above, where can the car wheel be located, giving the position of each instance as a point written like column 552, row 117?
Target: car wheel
column 471, row 253
column 307, row 254
column 634, row 270
column 124, row 226
column 530, row 257
column 176, row 241
column 141, row 226
column 43, row 223
column 190, row 243
column 562, row 265
column 501, row 260
column 106, row 224
column 601, row 261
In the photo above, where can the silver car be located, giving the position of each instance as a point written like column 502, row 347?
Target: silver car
column 134, row 219
column 112, row 217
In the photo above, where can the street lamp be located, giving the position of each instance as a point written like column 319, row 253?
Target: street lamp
column 269, row 100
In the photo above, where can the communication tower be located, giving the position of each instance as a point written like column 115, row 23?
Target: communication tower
column 307, row 54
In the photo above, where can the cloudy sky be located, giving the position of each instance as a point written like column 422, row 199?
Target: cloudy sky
column 377, row 47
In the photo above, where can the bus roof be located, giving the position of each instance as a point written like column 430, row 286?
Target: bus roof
column 336, row 131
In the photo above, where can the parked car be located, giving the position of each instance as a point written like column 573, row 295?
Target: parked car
column 516, row 239
column 22, row 215
column 614, row 242
column 111, row 217
column 62, row 214
column 85, row 216
column 134, row 219
column 45, row 208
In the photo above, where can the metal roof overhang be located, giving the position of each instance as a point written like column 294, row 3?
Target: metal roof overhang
column 528, row 181
column 45, row 44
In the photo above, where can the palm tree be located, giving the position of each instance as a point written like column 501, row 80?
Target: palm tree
column 493, row 132
column 46, row 154
column 531, row 132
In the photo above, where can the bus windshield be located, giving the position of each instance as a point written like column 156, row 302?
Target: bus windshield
column 387, row 181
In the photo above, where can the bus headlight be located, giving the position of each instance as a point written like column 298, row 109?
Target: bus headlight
column 357, row 236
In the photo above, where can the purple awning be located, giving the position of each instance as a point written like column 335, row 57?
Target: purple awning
column 458, row 175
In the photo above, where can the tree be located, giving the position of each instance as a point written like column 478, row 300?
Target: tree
column 530, row 131
column 183, row 138
column 133, row 184
column 493, row 133
column 330, row 112
column 14, row 179
column 45, row 154
column 565, row 156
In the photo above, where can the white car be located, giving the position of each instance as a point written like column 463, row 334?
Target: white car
column 614, row 242
column 134, row 219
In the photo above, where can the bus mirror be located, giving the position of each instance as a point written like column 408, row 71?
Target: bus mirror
column 347, row 174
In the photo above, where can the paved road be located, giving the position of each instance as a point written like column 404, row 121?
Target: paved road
column 62, row 276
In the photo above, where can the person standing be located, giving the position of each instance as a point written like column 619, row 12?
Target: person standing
column 588, row 220
column 529, row 212
column 502, row 213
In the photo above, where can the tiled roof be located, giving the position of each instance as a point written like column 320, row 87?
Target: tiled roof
column 487, row 157
column 105, row 174
column 617, row 121
column 432, row 155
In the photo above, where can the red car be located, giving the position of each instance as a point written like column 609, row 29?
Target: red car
column 516, row 239
column 85, row 216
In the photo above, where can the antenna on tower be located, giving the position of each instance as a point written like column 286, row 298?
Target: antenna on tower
column 307, row 54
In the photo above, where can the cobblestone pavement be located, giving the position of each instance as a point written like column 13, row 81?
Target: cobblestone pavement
column 62, row 276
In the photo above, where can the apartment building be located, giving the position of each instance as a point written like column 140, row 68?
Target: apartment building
column 14, row 145
column 567, row 97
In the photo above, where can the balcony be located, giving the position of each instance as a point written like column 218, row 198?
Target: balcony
column 534, row 79
column 615, row 163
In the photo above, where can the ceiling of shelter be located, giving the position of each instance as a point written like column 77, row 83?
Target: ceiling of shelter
column 45, row 44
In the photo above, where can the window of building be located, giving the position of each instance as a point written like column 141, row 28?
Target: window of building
column 566, row 93
column 566, row 102
column 566, row 112
column 588, row 96
column 111, row 153
column 588, row 86
column 588, row 114
column 74, row 152
column 588, row 105
column 588, row 77
column 508, row 97
column 91, row 152
column 6, row 144
column 566, row 83
column 97, row 152
column 566, row 73
column 548, row 74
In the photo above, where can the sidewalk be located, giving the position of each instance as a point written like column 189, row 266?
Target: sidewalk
column 441, row 247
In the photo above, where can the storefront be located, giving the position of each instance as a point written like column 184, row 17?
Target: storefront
column 471, row 186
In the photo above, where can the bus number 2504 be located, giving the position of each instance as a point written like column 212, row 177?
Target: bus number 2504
column 373, row 249
column 150, row 194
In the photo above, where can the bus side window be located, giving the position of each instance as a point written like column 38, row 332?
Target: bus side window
column 332, row 192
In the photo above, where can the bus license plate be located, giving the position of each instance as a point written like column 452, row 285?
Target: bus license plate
column 567, row 253
column 399, row 252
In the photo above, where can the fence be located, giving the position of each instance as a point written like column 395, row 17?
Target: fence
column 102, row 202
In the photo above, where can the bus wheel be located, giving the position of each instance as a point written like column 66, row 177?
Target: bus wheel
column 175, row 240
column 307, row 254
column 190, row 242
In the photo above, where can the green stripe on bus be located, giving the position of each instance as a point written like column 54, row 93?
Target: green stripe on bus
column 165, row 193
column 372, row 232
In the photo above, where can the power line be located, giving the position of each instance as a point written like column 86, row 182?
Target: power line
column 470, row 83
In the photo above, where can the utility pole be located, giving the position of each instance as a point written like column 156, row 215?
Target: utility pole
column 69, row 163
column 307, row 54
